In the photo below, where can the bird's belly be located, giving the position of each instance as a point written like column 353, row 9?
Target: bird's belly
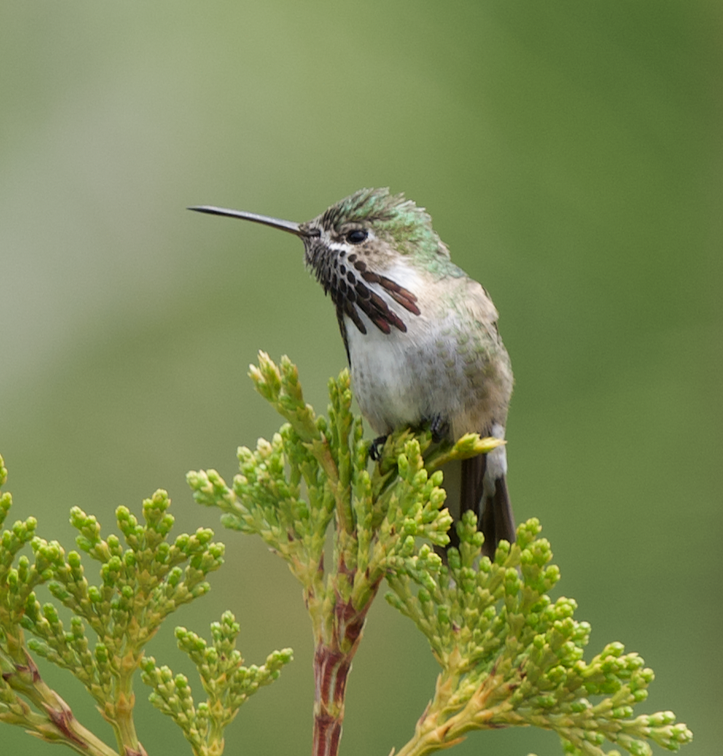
column 389, row 380
column 409, row 378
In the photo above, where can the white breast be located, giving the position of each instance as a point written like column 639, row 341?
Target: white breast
column 404, row 378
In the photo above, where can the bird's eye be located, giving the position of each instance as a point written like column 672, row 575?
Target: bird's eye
column 357, row 236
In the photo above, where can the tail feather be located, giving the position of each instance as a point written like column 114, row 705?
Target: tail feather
column 497, row 520
column 484, row 491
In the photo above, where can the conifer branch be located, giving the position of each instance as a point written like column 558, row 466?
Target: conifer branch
column 144, row 578
column 509, row 655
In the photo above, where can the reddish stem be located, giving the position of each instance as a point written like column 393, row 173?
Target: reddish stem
column 332, row 663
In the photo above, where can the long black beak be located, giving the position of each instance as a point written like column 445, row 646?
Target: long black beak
column 283, row 225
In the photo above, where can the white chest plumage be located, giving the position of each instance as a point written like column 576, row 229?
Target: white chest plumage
column 435, row 369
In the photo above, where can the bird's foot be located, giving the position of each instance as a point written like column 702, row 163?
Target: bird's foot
column 376, row 448
column 439, row 428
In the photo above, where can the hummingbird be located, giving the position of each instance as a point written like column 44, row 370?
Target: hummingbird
column 421, row 336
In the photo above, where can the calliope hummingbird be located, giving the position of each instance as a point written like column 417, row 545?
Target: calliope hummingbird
column 420, row 335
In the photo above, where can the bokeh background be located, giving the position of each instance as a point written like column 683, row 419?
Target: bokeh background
column 571, row 155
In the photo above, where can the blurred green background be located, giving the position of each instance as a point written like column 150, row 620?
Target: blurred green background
column 571, row 156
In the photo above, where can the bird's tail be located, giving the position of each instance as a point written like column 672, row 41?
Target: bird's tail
column 484, row 491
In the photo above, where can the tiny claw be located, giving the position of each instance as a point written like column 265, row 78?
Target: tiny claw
column 376, row 448
column 439, row 428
